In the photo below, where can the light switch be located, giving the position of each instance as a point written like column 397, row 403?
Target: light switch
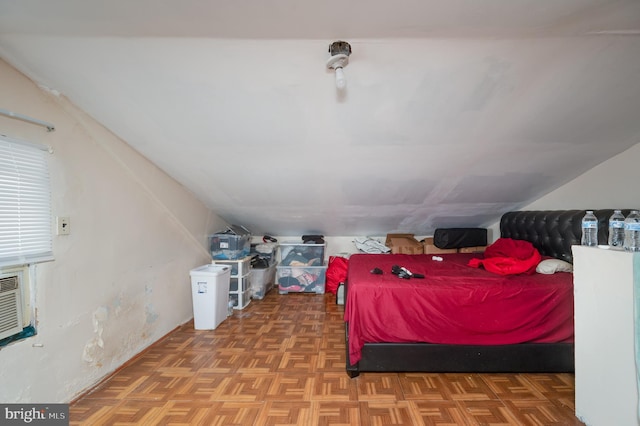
column 64, row 225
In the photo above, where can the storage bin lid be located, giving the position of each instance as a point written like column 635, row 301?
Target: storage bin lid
column 209, row 270
column 238, row 230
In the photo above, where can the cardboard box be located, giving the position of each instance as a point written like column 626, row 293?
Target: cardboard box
column 430, row 248
column 403, row 244
column 478, row 249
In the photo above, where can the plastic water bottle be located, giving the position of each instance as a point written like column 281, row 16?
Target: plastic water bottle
column 589, row 229
column 616, row 230
column 632, row 231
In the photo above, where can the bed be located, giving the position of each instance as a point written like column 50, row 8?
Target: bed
column 464, row 319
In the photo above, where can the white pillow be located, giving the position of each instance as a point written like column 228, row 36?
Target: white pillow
column 551, row 266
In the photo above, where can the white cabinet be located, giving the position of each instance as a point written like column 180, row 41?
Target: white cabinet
column 606, row 380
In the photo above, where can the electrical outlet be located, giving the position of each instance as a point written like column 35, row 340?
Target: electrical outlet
column 64, row 225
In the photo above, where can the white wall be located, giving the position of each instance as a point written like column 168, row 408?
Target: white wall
column 611, row 184
column 120, row 281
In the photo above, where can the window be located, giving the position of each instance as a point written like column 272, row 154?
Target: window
column 25, row 203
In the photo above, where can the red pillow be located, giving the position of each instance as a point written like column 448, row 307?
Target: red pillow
column 336, row 273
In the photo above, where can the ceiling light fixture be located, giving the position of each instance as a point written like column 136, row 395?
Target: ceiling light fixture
column 340, row 51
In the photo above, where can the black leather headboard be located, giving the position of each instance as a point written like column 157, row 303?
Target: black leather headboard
column 553, row 232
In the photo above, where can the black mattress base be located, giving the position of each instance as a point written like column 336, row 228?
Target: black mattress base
column 425, row 357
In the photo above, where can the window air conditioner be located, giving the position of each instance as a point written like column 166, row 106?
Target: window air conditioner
column 10, row 305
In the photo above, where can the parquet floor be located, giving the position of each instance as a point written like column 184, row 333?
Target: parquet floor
column 280, row 361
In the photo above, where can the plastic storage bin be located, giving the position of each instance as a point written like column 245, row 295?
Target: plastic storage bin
column 209, row 291
column 296, row 279
column 234, row 243
column 299, row 254
column 262, row 280
column 266, row 251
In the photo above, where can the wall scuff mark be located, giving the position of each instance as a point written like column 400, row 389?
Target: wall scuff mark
column 94, row 349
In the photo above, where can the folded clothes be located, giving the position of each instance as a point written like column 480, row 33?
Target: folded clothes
column 302, row 282
column 266, row 248
column 371, row 246
column 290, row 284
column 295, row 258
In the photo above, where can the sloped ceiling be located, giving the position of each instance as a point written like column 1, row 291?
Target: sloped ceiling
column 454, row 111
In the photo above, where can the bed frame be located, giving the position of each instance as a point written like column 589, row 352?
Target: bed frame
column 552, row 232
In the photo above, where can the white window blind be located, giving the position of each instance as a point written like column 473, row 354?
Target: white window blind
column 25, row 203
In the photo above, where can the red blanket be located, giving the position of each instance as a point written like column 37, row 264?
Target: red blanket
column 453, row 304
column 509, row 257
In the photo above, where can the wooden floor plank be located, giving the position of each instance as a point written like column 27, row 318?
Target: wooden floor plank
column 281, row 361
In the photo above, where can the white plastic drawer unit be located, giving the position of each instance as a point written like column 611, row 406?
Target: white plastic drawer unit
column 240, row 300
column 240, row 284
column 239, row 268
